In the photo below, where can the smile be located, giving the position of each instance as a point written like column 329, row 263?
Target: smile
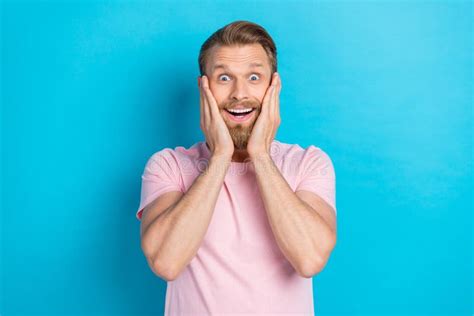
column 240, row 115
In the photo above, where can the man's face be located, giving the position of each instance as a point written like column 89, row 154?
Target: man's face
column 238, row 78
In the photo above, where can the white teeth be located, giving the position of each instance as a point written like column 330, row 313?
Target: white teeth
column 240, row 110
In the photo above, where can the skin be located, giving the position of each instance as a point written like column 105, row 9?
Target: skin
column 238, row 83
column 303, row 224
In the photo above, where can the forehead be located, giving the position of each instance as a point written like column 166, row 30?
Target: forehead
column 235, row 57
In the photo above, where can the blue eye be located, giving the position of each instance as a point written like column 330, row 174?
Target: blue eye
column 253, row 75
column 224, row 76
column 256, row 76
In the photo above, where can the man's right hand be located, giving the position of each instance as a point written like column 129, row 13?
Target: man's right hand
column 212, row 124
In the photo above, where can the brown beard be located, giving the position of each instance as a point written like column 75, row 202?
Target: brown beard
column 240, row 134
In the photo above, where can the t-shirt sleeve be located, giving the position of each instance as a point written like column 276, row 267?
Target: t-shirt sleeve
column 161, row 175
column 318, row 175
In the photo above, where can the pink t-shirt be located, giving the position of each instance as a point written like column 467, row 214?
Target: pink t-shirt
column 239, row 267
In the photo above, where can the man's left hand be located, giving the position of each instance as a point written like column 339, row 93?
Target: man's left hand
column 268, row 121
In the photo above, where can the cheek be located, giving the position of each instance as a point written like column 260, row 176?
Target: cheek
column 261, row 95
column 257, row 93
column 217, row 93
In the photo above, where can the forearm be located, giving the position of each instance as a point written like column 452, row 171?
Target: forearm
column 178, row 232
column 300, row 232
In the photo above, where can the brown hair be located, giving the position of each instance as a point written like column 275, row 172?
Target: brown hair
column 239, row 33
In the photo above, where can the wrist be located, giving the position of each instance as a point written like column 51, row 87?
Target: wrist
column 263, row 164
column 219, row 162
column 259, row 158
column 221, row 157
column 262, row 155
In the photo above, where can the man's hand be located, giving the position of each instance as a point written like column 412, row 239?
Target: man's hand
column 268, row 121
column 212, row 124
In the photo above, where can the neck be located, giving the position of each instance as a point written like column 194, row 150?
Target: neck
column 240, row 155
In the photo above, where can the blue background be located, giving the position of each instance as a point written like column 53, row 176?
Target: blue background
column 91, row 89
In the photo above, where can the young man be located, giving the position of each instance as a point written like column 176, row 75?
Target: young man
column 240, row 222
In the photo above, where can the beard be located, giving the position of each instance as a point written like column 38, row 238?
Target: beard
column 240, row 133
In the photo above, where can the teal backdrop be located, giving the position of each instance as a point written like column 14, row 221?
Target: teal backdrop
column 91, row 89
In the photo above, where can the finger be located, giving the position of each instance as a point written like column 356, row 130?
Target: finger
column 275, row 107
column 207, row 105
column 277, row 98
column 267, row 97
column 201, row 109
column 212, row 104
column 271, row 101
column 201, row 101
column 204, row 107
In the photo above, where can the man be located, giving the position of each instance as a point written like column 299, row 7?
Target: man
column 240, row 222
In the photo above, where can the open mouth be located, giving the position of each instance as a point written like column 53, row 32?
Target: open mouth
column 240, row 115
column 240, row 112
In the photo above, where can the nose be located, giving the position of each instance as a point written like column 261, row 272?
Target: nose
column 239, row 90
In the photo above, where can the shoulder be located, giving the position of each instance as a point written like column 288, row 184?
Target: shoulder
column 175, row 156
column 178, row 152
column 299, row 160
column 296, row 152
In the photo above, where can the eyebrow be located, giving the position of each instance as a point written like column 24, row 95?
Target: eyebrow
column 223, row 66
